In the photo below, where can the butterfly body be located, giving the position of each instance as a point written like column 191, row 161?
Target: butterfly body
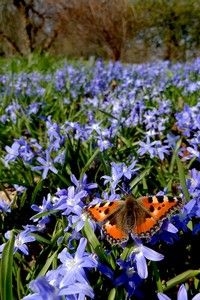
column 141, row 217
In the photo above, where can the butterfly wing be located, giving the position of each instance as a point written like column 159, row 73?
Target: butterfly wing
column 111, row 214
column 100, row 212
column 116, row 227
column 156, row 208
column 114, row 233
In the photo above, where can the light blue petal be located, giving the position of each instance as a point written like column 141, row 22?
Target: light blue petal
column 162, row 296
column 182, row 293
column 141, row 265
column 151, row 254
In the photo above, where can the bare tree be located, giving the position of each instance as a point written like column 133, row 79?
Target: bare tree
column 100, row 25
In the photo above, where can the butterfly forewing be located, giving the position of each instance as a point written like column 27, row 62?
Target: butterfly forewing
column 160, row 207
column 100, row 212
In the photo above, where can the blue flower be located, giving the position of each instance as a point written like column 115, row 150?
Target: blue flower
column 167, row 232
column 69, row 279
column 73, row 266
column 77, row 291
column 43, row 290
column 82, row 183
column 69, row 201
column 13, row 110
column 55, row 137
column 13, row 153
column 128, row 277
column 140, row 254
column 46, row 206
column 46, row 165
column 182, row 295
column 161, row 149
column 146, row 147
column 33, row 108
column 19, row 149
column 103, row 143
column 21, row 239
column 154, row 148
column 4, row 206
column 118, row 170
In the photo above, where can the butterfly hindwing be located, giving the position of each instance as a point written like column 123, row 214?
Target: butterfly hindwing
column 114, row 233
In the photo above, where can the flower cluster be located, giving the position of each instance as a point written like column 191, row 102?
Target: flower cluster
column 127, row 129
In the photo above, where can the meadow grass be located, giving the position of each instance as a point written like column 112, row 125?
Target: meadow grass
column 76, row 133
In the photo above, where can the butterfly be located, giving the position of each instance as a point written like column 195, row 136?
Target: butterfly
column 141, row 217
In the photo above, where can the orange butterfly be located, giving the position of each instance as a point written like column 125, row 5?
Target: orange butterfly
column 142, row 217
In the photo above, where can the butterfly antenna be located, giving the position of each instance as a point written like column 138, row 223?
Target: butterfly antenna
column 125, row 190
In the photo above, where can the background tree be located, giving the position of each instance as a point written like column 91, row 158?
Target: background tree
column 132, row 31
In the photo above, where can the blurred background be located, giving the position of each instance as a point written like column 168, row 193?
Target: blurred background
column 131, row 31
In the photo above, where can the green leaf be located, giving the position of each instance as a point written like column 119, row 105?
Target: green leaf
column 180, row 279
column 127, row 251
column 112, row 294
column 38, row 188
column 48, row 264
column 96, row 246
column 182, row 178
column 136, row 180
column 89, row 162
column 44, row 214
column 156, row 276
column 6, row 265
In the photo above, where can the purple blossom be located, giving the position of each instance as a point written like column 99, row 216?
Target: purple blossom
column 82, row 183
column 69, row 201
column 128, row 277
column 73, row 266
column 42, row 290
column 193, row 183
column 46, row 206
column 192, row 208
column 167, row 233
column 46, row 165
column 146, row 147
column 4, row 206
column 161, row 149
column 60, row 158
column 103, row 144
column 78, row 291
column 155, row 148
column 118, row 170
column 188, row 119
column 33, row 108
column 20, row 149
column 19, row 188
column 13, row 110
column 69, row 279
column 55, row 138
column 140, row 254
column 21, row 239
column 182, row 295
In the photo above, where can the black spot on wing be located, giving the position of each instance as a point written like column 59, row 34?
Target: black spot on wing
column 151, row 208
column 150, row 199
column 106, row 211
column 160, row 199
